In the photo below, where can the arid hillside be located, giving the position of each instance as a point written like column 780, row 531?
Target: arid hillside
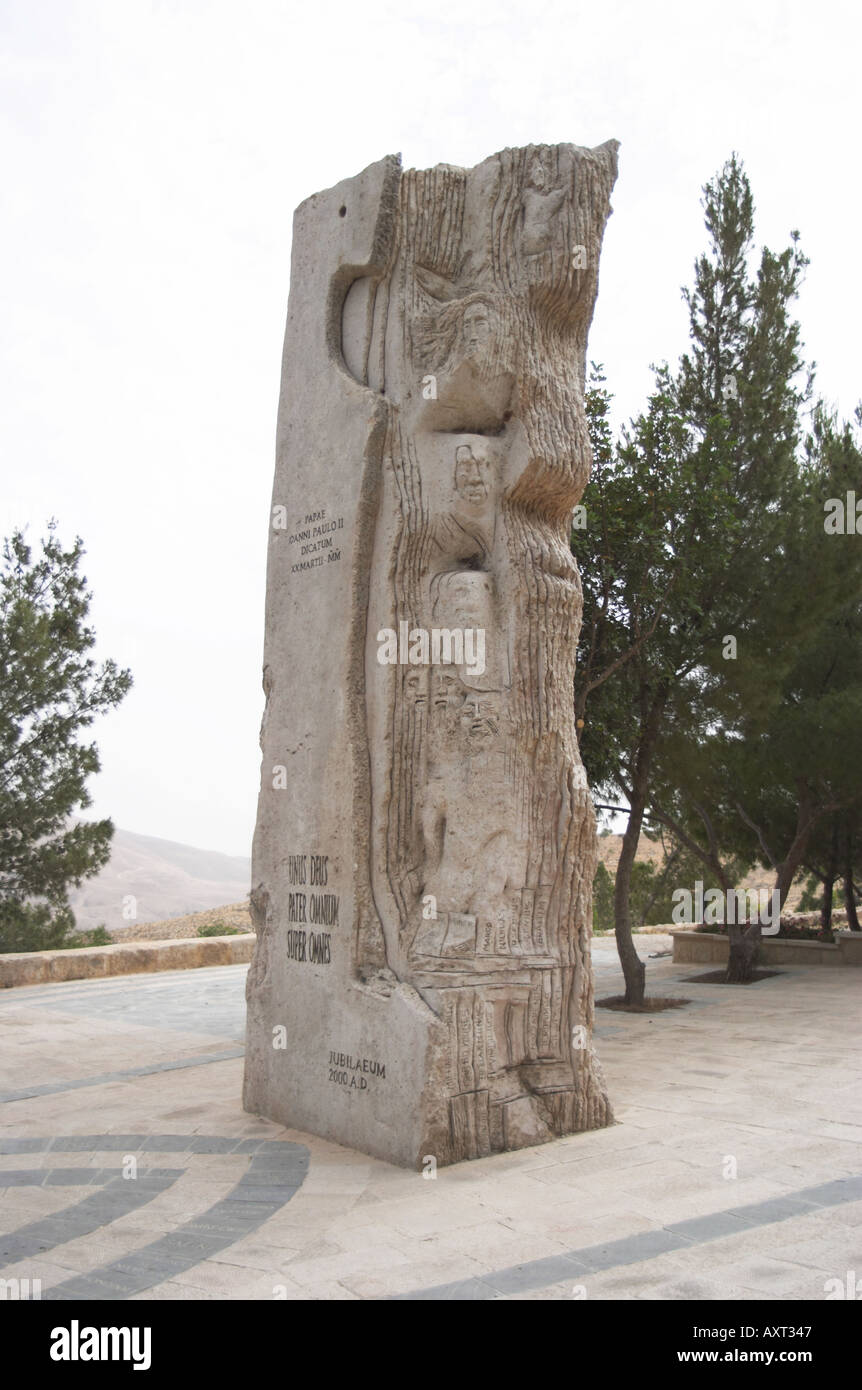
column 650, row 850
column 155, row 880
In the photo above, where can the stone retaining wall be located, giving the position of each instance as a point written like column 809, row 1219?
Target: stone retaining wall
column 97, row 962
column 707, row 948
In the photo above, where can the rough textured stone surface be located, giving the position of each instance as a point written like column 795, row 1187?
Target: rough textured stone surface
column 425, row 844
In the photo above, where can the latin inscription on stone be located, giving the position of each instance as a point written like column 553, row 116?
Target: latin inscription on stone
column 311, row 907
column 315, row 542
column 354, row 1073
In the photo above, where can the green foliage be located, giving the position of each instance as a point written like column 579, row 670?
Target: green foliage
column 647, row 896
column 28, row 926
column 812, row 896
column 96, row 936
column 706, row 522
column 603, row 901
column 50, row 691
column 651, row 901
column 218, row 929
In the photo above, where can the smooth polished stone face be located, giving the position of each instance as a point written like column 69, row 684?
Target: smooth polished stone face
column 425, row 843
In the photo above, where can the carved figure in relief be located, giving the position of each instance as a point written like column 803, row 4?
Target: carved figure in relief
column 475, row 328
column 541, row 206
column 487, row 473
column 472, row 478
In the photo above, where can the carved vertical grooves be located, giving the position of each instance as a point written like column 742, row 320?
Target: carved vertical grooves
column 490, row 820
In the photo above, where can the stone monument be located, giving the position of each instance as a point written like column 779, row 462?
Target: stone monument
column 423, row 860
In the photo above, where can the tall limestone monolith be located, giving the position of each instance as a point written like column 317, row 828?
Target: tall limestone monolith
column 425, row 845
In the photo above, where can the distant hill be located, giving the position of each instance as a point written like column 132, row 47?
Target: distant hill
column 166, row 879
column 610, row 848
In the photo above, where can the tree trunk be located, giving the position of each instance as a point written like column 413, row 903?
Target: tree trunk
column 742, row 957
column 634, row 972
column 826, row 905
column 804, row 824
column 849, row 899
column 850, row 904
column 829, row 881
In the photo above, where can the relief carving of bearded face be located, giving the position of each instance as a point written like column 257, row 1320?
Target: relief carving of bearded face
column 472, row 477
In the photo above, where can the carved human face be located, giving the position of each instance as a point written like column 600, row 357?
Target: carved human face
column 537, row 175
column 446, row 691
column 477, row 327
column 472, row 476
column 415, row 690
column 468, row 598
column 480, row 715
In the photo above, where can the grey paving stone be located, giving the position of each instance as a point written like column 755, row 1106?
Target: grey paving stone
column 279, row 1163
column 80, row 1219
column 24, row 1146
column 75, row 1143
column 225, row 1208
column 211, row 1144
column 13, row 1249
column 274, row 1178
column 167, row 1143
column 115, row 1194
column 71, row 1177
column 629, row 1250
column 771, row 1210
column 104, row 1286
column 710, row 1227
column 830, row 1194
column 278, row 1158
column 226, row 1232
column 112, row 1143
column 536, row 1274
column 852, row 1188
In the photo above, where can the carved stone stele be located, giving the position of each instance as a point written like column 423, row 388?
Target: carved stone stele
column 425, row 845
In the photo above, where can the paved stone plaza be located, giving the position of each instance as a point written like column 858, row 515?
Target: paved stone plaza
column 763, row 1081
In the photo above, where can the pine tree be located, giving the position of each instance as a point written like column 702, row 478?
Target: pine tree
column 691, row 519
column 51, row 689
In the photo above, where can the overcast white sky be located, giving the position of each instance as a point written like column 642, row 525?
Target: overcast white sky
column 152, row 156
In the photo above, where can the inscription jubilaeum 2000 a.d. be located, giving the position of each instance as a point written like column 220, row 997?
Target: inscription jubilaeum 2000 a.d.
column 453, row 364
column 354, row 1073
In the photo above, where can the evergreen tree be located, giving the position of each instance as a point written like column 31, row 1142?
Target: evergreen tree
column 50, row 690
column 690, row 520
column 778, row 778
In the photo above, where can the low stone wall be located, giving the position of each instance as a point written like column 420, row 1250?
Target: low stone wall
column 707, row 948
column 98, row 962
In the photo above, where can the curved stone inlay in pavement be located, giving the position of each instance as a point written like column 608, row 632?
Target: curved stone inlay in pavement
column 277, row 1169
